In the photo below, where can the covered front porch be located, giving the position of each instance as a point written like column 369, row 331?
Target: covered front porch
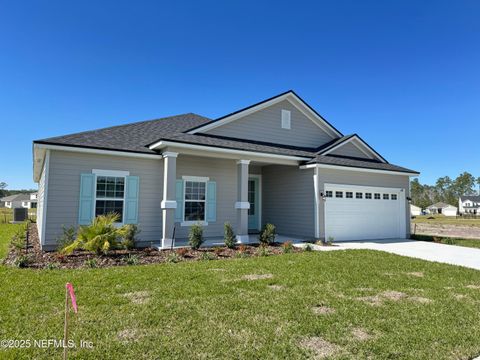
column 247, row 193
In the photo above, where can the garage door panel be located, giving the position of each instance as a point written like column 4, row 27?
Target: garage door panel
column 361, row 219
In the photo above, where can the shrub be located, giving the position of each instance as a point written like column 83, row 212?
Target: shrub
column 91, row 263
column 173, row 258
column 182, row 252
column 207, row 256
column 267, row 236
column 229, row 236
column 263, row 251
column 308, row 248
column 67, row 238
column 130, row 236
column 330, row 240
column 99, row 237
column 287, row 247
column 449, row 241
column 18, row 239
column 22, row 261
column 53, row 265
column 242, row 249
column 195, row 236
column 131, row 259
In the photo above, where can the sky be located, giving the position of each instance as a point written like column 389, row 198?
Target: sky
column 404, row 75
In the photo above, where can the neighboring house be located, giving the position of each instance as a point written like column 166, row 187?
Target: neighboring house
column 277, row 162
column 415, row 210
column 28, row 201
column 442, row 208
column 469, row 204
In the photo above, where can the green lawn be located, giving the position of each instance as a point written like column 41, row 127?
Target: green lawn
column 474, row 243
column 206, row 310
column 447, row 220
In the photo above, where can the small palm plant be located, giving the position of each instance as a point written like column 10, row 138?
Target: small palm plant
column 99, row 237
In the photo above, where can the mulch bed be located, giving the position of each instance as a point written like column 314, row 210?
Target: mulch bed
column 39, row 259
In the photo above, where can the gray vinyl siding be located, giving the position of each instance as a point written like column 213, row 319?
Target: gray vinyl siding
column 41, row 203
column 64, row 185
column 350, row 150
column 347, row 177
column 224, row 173
column 288, row 200
column 266, row 125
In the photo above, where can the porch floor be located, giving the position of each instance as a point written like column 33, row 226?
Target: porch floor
column 253, row 239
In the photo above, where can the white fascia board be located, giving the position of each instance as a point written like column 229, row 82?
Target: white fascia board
column 243, row 153
column 351, row 168
column 98, row 151
column 292, row 98
column 366, row 149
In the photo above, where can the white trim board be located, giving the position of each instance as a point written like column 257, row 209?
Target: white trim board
column 290, row 97
column 45, row 196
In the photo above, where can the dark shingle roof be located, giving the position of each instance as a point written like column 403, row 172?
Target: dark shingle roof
column 474, row 198
column 129, row 137
column 136, row 137
column 357, row 162
column 17, row 197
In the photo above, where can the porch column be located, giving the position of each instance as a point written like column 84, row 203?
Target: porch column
column 242, row 205
column 169, row 203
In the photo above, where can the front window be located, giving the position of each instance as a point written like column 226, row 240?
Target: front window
column 195, row 200
column 110, row 192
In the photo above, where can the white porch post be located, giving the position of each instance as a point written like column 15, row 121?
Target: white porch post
column 242, row 205
column 169, row 203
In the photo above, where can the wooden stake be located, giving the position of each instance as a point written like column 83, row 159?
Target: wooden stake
column 65, row 330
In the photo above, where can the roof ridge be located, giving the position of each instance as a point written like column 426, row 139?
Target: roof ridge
column 118, row 126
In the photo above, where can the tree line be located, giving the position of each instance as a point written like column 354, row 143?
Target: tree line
column 445, row 190
column 4, row 192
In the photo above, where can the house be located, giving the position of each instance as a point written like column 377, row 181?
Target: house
column 469, row 204
column 277, row 161
column 442, row 208
column 28, row 201
column 415, row 210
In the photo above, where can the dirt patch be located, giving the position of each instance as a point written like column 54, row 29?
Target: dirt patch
column 476, row 287
column 371, row 300
column 276, row 287
column 322, row 310
column 420, row 299
column 39, row 259
column 253, row 277
column 138, row 297
column 460, row 297
column 361, row 334
column 320, row 347
column 129, row 335
column 415, row 274
column 447, row 230
column 393, row 295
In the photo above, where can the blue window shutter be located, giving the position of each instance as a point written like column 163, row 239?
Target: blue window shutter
column 87, row 195
column 179, row 198
column 131, row 200
column 211, row 201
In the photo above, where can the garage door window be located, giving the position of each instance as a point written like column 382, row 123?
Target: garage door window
column 386, row 196
column 328, row 193
column 359, row 195
column 339, row 194
column 377, row 196
column 394, row 196
column 368, row 195
column 349, row 195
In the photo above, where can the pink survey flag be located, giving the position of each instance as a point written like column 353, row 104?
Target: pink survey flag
column 72, row 296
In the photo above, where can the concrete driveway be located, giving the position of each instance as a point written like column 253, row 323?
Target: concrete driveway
column 449, row 254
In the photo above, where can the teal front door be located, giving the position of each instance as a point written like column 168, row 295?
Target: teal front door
column 254, row 200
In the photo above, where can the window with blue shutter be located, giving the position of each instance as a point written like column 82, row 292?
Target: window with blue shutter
column 131, row 199
column 211, row 201
column 87, row 198
column 179, row 198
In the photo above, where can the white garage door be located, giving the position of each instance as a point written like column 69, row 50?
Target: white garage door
column 362, row 212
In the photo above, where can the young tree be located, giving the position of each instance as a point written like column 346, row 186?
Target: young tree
column 478, row 182
column 3, row 191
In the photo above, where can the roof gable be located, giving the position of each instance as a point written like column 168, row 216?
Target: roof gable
column 352, row 146
column 289, row 96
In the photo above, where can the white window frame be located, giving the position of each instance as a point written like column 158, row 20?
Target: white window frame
column 286, row 119
column 111, row 173
column 195, row 179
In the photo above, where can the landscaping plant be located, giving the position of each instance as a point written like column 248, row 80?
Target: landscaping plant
column 99, row 237
column 287, row 247
column 67, row 238
column 130, row 236
column 229, row 236
column 267, row 236
column 195, row 236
